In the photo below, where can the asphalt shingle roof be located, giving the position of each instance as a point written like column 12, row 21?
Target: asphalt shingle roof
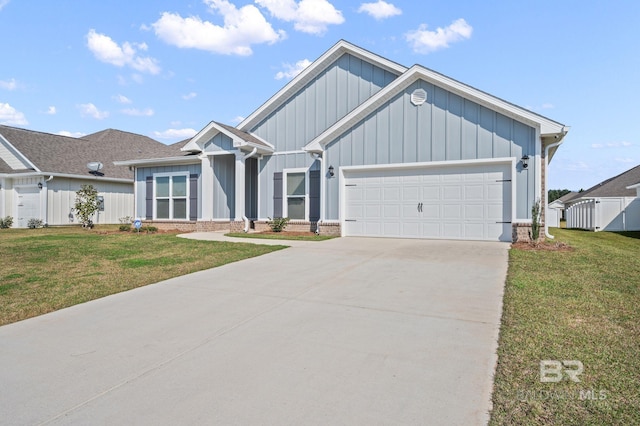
column 615, row 186
column 66, row 155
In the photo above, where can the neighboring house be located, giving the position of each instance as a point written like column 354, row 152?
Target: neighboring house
column 359, row 145
column 556, row 209
column 41, row 172
column 611, row 205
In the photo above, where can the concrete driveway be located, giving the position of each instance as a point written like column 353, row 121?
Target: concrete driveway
column 346, row 331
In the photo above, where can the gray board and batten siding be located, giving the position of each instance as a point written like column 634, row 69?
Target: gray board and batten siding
column 331, row 95
column 446, row 127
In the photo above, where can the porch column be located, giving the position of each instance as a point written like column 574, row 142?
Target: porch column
column 207, row 188
column 240, row 185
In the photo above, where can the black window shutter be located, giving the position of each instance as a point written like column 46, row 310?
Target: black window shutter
column 149, row 198
column 277, row 194
column 193, row 197
column 314, row 195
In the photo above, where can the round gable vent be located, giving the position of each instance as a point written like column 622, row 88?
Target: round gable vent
column 418, row 97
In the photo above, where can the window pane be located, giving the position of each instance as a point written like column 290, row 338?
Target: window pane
column 179, row 186
column 296, row 208
column 295, row 184
column 162, row 209
column 162, row 186
column 180, row 209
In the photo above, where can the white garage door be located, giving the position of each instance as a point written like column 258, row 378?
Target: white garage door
column 28, row 205
column 461, row 202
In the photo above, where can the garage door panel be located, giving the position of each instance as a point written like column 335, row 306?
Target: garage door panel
column 355, row 193
column 453, row 202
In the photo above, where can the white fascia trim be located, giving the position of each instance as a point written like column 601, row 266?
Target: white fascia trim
column 194, row 144
column 301, row 151
column 66, row 175
column 214, row 153
column 546, row 126
column 158, row 161
column 21, row 156
column 636, row 186
column 314, row 70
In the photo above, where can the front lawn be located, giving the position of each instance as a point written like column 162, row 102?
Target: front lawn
column 581, row 305
column 43, row 270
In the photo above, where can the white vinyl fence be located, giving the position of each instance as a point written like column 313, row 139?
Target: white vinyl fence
column 605, row 214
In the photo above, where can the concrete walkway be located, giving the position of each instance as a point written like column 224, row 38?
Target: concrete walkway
column 345, row 331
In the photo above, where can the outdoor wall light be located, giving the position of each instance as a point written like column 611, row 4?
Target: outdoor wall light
column 525, row 161
column 39, row 185
column 331, row 171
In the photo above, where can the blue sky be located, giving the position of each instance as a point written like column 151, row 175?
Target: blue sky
column 166, row 68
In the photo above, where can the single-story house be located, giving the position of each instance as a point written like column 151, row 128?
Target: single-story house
column 359, row 145
column 556, row 209
column 611, row 205
column 41, row 172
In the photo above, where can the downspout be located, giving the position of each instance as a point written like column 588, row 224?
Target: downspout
column 244, row 217
column 546, row 174
column 318, row 157
column 46, row 201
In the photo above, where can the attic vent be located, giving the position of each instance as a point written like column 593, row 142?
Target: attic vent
column 418, row 97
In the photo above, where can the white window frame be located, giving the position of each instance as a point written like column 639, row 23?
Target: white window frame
column 285, row 197
column 170, row 175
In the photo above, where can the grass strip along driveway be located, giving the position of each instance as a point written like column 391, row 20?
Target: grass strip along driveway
column 43, row 270
column 580, row 305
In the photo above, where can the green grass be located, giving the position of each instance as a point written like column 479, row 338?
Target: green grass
column 42, row 270
column 575, row 305
column 280, row 236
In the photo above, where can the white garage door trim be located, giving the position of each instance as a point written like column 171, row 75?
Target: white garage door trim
column 508, row 163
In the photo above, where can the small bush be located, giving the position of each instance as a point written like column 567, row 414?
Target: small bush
column 35, row 223
column 7, row 222
column 535, row 222
column 148, row 229
column 278, row 224
column 125, row 228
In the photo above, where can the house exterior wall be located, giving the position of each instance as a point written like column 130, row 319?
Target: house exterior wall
column 61, row 196
column 340, row 88
column 446, row 127
column 141, row 189
column 219, row 142
column 224, row 184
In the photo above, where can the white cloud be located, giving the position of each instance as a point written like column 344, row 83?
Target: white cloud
column 293, row 70
column 623, row 144
column 3, row 3
column 425, row 41
column 237, row 120
column 9, row 84
column 242, row 28
column 92, row 111
column 308, row 16
column 547, row 106
column 577, row 166
column 11, row 116
column 107, row 50
column 380, row 10
column 626, row 160
column 122, row 99
column 51, row 110
column 134, row 112
column 175, row 134
column 189, row 96
column 71, row 134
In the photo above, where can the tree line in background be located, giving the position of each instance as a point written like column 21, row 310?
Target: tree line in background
column 554, row 194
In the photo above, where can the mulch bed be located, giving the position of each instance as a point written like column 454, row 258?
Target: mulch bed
column 543, row 246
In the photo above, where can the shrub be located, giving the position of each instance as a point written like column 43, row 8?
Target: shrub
column 535, row 222
column 278, row 224
column 86, row 204
column 35, row 223
column 7, row 222
column 125, row 228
